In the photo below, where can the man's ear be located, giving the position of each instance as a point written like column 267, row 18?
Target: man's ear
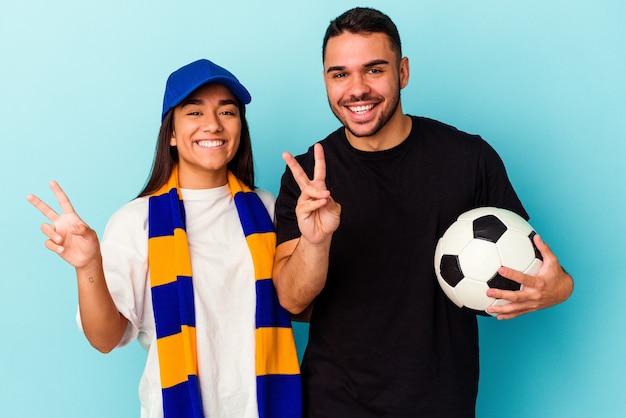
column 404, row 72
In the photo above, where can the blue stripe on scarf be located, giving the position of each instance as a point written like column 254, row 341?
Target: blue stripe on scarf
column 161, row 221
column 279, row 396
column 183, row 400
column 272, row 315
column 168, row 295
column 257, row 220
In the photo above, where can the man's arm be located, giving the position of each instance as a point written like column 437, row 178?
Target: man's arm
column 301, row 264
column 300, row 270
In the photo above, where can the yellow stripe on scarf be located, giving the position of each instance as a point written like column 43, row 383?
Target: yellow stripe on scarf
column 276, row 352
column 179, row 357
column 162, row 269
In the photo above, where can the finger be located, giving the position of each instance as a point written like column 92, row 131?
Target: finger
column 46, row 210
column 296, row 170
column 543, row 248
column 319, row 170
column 511, row 310
column 516, row 276
column 550, row 262
column 511, row 315
column 510, row 295
column 54, row 247
column 81, row 229
column 309, row 206
column 310, row 192
column 49, row 231
column 333, row 206
column 64, row 201
column 527, row 282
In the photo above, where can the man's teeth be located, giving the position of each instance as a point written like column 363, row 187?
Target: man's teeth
column 210, row 144
column 361, row 109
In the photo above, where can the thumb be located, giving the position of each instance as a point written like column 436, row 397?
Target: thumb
column 80, row 229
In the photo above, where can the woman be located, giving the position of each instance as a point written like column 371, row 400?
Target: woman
column 186, row 267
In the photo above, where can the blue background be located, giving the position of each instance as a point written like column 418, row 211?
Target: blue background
column 81, row 84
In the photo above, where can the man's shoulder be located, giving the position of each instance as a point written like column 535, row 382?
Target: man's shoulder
column 423, row 123
column 442, row 134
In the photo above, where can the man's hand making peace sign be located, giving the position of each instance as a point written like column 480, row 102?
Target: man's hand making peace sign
column 318, row 214
column 301, row 264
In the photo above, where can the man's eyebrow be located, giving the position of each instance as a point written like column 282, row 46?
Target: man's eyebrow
column 335, row 68
column 374, row 63
column 369, row 64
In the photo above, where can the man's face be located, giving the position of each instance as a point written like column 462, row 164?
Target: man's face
column 363, row 78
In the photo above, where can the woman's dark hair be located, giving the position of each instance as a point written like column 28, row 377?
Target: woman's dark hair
column 363, row 20
column 166, row 156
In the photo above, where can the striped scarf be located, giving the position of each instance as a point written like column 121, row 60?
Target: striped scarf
column 277, row 370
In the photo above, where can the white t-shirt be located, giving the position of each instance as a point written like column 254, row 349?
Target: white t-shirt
column 224, row 296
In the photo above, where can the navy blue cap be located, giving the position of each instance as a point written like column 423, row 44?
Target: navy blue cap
column 182, row 82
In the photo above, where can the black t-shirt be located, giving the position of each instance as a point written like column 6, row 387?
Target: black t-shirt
column 383, row 339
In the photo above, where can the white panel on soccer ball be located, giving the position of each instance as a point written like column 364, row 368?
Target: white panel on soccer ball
column 514, row 221
column 479, row 260
column 437, row 258
column 534, row 267
column 473, row 294
column 456, row 237
column 516, row 250
column 450, row 293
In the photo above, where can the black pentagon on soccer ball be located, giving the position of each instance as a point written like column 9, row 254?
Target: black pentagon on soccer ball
column 537, row 253
column 489, row 228
column 499, row 282
column 451, row 269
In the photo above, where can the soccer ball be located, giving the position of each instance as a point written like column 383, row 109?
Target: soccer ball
column 475, row 246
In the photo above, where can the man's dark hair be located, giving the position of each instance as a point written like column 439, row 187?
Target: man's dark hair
column 363, row 20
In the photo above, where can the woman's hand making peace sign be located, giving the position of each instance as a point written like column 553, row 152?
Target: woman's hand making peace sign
column 68, row 235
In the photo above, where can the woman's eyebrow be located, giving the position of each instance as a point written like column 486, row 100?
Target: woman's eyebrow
column 225, row 102
column 192, row 101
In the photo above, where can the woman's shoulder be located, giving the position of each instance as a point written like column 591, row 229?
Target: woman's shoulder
column 131, row 217
column 137, row 207
column 268, row 200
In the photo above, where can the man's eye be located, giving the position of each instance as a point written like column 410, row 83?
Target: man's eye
column 339, row 75
column 374, row 71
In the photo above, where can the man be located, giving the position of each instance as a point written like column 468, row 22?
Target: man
column 358, row 218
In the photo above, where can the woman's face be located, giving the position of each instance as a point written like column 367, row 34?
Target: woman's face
column 207, row 130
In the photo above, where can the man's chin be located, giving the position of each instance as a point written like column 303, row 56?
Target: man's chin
column 358, row 129
column 361, row 131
